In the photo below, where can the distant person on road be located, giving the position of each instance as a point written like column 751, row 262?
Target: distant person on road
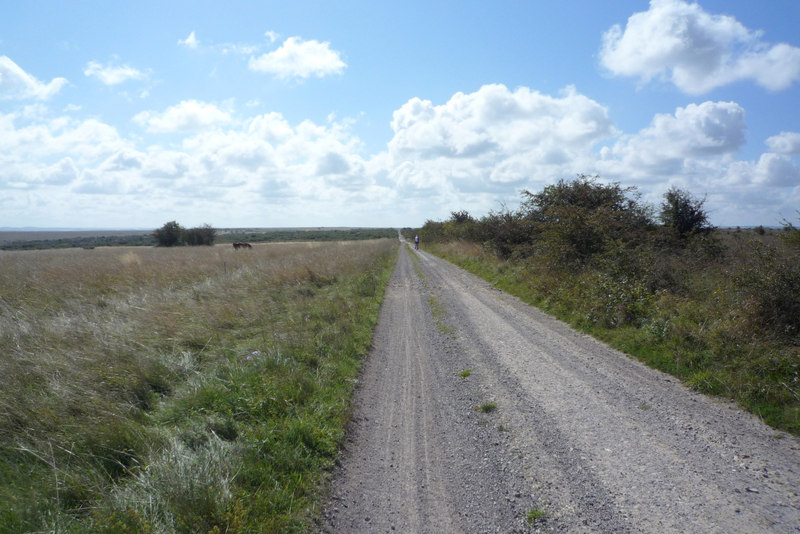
column 416, row 242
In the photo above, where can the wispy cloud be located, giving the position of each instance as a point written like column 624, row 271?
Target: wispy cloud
column 242, row 49
column 190, row 42
column 113, row 74
column 15, row 83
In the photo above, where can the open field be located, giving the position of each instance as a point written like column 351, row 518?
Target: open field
column 47, row 239
column 46, row 235
column 191, row 389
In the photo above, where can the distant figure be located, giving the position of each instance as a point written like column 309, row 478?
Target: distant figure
column 416, row 242
column 238, row 245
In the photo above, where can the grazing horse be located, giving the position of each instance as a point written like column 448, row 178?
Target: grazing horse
column 237, row 245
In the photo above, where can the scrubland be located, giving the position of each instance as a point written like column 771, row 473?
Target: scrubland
column 179, row 390
column 718, row 308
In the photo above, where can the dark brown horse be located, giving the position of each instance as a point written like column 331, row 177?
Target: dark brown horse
column 240, row 244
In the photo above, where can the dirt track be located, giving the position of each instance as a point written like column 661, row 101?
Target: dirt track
column 592, row 439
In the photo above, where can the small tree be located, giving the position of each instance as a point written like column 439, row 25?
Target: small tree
column 506, row 232
column 791, row 234
column 576, row 220
column 684, row 213
column 461, row 217
column 169, row 235
column 201, row 235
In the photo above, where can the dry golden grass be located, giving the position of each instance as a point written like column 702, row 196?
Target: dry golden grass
column 92, row 340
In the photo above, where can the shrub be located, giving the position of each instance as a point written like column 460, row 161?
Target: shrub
column 791, row 234
column 578, row 219
column 771, row 288
column 169, row 235
column 173, row 234
column 506, row 233
column 201, row 235
column 684, row 213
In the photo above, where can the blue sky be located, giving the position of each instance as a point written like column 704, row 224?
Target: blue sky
column 264, row 114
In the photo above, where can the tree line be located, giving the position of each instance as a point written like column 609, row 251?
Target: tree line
column 620, row 253
column 173, row 234
column 574, row 222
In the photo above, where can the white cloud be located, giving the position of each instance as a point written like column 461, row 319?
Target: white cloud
column 771, row 170
column 42, row 140
column 495, row 136
column 472, row 152
column 785, row 143
column 697, row 51
column 15, row 83
column 189, row 115
column 297, row 58
column 777, row 170
column 190, row 42
column 113, row 74
column 63, row 172
column 672, row 144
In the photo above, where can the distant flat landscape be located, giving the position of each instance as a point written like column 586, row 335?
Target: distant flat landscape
column 9, row 235
column 37, row 238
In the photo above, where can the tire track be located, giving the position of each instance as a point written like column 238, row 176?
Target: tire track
column 417, row 457
column 593, row 439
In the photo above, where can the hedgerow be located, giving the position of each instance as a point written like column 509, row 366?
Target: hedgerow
column 719, row 308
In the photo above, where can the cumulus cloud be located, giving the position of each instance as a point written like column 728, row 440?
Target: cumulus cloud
column 495, row 136
column 43, row 140
column 47, row 154
column 695, row 50
column 190, row 42
column 771, row 170
column 113, row 74
column 672, row 142
column 471, row 152
column 189, row 115
column 297, row 58
column 774, row 169
column 785, row 143
column 18, row 175
column 15, row 83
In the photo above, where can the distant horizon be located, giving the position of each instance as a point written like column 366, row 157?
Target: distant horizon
column 100, row 229
column 44, row 229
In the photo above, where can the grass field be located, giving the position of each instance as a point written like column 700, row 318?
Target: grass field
column 192, row 389
column 43, row 240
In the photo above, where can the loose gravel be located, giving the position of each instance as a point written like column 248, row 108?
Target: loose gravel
column 551, row 431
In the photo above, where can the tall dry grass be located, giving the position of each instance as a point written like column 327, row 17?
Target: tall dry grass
column 105, row 351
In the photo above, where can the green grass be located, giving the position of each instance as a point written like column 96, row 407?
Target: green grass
column 182, row 390
column 535, row 514
column 706, row 331
column 488, row 407
column 415, row 262
column 439, row 313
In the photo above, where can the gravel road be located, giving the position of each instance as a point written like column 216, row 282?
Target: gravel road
column 585, row 437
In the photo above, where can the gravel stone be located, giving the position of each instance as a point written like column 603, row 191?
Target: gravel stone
column 593, row 439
